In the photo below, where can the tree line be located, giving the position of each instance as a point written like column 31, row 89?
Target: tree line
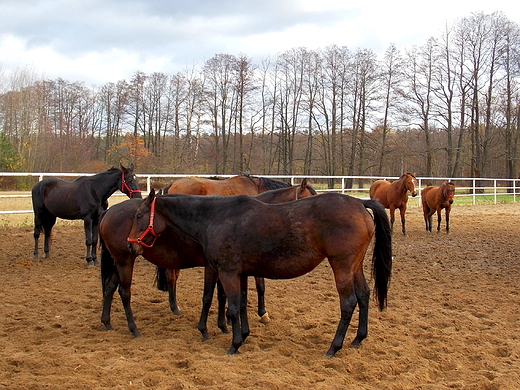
column 449, row 107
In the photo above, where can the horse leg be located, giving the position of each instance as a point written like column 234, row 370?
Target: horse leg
column 231, row 284
column 402, row 211
column 363, row 299
column 260, row 291
column 95, row 237
column 125, row 292
column 392, row 217
column 36, row 234
column 173, row 276
column 210, row 279
column 347, row 300
column 448, row 219
column 87, row 224
column 47, row 231
column 439, row 219
column 429, row 219
column 109, row 288
column 221, row 312
column 243, row 307
column 426, row 210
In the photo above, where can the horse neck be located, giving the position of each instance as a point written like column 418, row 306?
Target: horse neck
column 401, row 185
column 179, row 215
column 278, row 196
column 106, row 183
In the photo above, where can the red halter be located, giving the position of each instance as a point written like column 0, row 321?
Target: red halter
column 149, row 229
column 124, row 186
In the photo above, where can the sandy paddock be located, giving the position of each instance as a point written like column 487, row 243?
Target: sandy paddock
column 452, row 321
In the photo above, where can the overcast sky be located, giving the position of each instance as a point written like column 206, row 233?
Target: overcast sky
column 100, row 41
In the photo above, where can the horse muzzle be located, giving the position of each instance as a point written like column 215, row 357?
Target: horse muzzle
column 414, row 194
column 134, row 248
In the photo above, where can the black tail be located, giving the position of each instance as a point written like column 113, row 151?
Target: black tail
column 161, row 279
column 108, row 266
column 382, row 257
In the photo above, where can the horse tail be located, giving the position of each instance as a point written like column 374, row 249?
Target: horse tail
column 108, row 265
column 161, row 278
column 382, row 256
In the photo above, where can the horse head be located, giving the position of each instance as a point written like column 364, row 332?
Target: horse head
column 305, row 190
column 448, row 191
column 129, row 183
column 146, row 226
column 410, row 183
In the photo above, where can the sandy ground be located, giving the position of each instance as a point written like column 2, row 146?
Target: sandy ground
column 452, row 320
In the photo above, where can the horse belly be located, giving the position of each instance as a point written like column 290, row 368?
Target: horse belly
column 65, row 210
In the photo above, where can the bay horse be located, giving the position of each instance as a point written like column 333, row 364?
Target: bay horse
column 434, row 199
column 241, row 236
column 244, row 184
column 85, row 198
column 395, row 195
column 172, row 250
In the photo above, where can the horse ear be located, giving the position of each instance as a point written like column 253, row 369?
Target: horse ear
column 303, row 186
column 150, row 196
column 122, row 167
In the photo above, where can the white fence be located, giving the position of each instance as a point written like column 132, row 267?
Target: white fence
column 357, row 185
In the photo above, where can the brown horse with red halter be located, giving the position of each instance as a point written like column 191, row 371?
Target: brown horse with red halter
column 395, row 195
column 241, row 236
column 171, row 250
column 434, row 199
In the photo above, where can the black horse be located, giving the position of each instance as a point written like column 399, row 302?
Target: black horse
column 85, row 198
column 241, row 236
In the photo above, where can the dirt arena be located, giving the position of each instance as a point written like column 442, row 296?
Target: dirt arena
column 452, row 320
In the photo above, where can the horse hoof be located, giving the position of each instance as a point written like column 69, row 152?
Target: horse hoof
column 265, row 318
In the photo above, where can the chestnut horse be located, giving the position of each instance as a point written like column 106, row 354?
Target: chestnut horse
column 85, row 198
column 395, row 195
column 435, row 199
column 243, row 184
column 241, row 236
column 172, row 250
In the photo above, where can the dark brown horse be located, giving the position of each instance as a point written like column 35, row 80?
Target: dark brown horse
column 172, row 250
column 243, row 184
column 395, row 195
column 85, row 198
column 242, row 237
column 434, row 199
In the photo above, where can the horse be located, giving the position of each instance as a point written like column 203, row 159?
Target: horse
column 244, row 184
column 172, row 250
column 242, row 236
column 395, row 195
column 436, row 198
column 85, row 198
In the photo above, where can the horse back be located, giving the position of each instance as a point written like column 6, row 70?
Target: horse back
column 288, row 239
column 61, row 198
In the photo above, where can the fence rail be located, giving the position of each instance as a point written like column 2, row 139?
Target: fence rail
column 353, row 185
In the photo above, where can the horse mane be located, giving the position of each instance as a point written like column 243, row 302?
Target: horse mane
column 407, row 173
column 270, row 184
